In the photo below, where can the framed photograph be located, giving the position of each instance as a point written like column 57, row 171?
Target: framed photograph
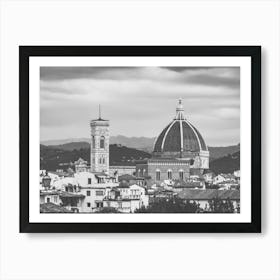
column 140, row 138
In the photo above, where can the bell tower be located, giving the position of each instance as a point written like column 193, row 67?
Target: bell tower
column 99, row 149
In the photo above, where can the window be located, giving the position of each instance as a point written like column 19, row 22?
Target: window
column 88, row 193
column 169, row 174
column 88, row 204
column 99, row 192
column 103, row 160
column 99, row 204
column 100, row 160
column 93, row 142
column 48, row 199
column 158, row 175
column 102, row 142
column 181, row 175
column 89, row 181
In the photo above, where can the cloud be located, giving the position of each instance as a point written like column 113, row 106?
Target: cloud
column 139, row 101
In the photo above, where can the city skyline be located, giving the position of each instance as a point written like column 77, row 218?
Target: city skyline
column 140, row 101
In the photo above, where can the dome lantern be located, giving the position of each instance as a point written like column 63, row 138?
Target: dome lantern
column 180, row 111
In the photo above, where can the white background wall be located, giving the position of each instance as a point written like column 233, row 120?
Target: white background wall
column 156, row 256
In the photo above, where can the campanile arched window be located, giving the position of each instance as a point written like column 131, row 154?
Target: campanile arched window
column 102, row 142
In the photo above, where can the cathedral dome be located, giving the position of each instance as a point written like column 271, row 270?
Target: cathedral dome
column 179, row 137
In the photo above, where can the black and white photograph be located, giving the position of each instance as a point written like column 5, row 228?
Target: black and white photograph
column 140, row 140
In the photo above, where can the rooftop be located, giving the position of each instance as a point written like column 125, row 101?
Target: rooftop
column 53, row 208
column 74, row 195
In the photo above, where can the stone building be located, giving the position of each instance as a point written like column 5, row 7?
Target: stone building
column 81, row 166
column 160, row 169
column 99, row 153
column 179, row 151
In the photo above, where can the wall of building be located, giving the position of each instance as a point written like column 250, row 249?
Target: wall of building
column 50, row 199
column 121, row 170
column 99, row 129
column 93, row 198
column 150, row 169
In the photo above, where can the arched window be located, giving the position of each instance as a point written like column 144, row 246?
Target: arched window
column 93, row 142
column 169, row 174
column 102, row 142
column 181, row 174
column 158, row 175
column 100, row 160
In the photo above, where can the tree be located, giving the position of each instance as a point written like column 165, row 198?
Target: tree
column 173, row 205
column 217, row 205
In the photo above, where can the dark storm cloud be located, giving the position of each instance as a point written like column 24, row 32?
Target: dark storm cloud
column 65, row 73
column 215, row 76
column 140, row 101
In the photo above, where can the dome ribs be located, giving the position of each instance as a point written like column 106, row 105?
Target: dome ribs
column 172, row 141
column 190, row 140
column 158, row 143
column 179, row 137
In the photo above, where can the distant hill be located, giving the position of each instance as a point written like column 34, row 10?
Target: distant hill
column 55, row 157
column 140, row 143
column 71, row 146
column 64, row 141
column 223, row 159
column 218, row 152
column 226, row 164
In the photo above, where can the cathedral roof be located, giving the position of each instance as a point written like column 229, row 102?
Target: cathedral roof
column 180, row 135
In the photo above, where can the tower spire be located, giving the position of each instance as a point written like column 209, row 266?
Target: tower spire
column 99, row 111
column 180, row 111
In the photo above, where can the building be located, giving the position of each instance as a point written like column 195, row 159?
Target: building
column 157, row 170
column 50, row 196
column 117, row 170
column 183, row 185
column 128, row 180
column 221, row 178
column 181, row 140
column 72, row 200
column 208, row 177
column 81, row 166
column 99, row 154
column 179, row 151
column 126, row 199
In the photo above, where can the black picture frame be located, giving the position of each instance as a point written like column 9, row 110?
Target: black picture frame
column 25, row 52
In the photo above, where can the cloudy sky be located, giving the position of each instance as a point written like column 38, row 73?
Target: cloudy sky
column 140, row 101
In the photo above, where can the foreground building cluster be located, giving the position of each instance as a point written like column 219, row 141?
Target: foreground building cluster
column 178, row 168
